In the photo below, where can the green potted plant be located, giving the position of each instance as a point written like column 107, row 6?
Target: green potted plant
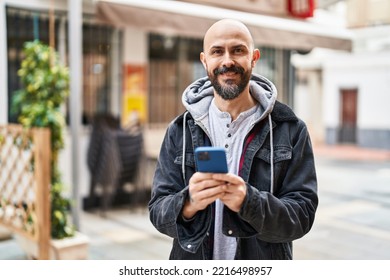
column 39, row 104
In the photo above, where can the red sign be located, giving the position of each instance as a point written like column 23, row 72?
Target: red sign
column 301, row 8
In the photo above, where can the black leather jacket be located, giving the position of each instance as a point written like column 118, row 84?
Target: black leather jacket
column 268, row 222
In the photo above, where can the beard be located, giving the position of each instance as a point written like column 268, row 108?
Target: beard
column 229, row 90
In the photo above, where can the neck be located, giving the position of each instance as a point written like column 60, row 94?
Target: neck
column 237, row 105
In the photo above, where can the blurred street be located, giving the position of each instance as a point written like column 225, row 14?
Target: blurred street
column 352, row 219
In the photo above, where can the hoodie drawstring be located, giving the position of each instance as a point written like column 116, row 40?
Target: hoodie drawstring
column 271, row 143
column 183, row 169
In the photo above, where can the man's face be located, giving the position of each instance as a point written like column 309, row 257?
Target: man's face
column 228, row 58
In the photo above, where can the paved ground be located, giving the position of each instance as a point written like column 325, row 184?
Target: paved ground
column 352, row 220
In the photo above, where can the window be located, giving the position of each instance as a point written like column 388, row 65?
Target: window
column 97, row 67
column 174, row 64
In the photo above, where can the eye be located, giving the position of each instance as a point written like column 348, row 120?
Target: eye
column 238, row 50
column 216, row 51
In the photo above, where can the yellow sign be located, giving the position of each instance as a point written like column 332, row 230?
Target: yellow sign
column 134, row 95
column 134, row 109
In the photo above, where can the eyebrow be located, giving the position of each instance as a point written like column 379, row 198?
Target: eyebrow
column 233, row 47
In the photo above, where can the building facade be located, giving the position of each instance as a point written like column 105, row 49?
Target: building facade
column 349, row 92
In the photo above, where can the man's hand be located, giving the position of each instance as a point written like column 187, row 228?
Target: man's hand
column 235, row 190
column 203, row 190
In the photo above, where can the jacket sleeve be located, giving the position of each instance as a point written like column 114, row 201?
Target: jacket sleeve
column 289, row 213
column 169, row 193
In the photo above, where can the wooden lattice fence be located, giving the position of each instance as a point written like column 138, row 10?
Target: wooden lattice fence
column 25, row 183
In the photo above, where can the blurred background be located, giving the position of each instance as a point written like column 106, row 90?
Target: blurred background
column 131, row 60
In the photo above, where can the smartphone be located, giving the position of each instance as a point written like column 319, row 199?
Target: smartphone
column 211, row 159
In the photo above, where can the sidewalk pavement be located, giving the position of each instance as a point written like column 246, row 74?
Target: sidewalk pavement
column 122, row 234
column 350, row 152
column 127, row 234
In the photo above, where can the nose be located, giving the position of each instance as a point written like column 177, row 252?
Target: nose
column 227, row 60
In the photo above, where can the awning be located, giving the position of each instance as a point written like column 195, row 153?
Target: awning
column 193, row 20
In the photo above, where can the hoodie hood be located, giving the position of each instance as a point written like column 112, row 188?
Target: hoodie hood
column 197, row 97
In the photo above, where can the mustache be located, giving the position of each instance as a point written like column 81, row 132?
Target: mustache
column 224, row 69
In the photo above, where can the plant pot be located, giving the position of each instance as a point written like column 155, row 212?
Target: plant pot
column 5, row 233
column 70, row 248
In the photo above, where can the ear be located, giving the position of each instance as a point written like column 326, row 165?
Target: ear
column 203, row 60
column 255, row 57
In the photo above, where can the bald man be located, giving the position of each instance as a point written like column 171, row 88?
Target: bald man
column 269, row 197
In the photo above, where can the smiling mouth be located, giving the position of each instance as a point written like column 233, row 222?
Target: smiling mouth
column 228, row 74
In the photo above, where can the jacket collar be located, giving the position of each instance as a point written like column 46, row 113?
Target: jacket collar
column 282, row 112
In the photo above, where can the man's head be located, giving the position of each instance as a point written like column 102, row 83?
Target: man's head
column 228, row 57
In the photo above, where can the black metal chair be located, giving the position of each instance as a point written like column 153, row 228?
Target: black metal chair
column 114, row 158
